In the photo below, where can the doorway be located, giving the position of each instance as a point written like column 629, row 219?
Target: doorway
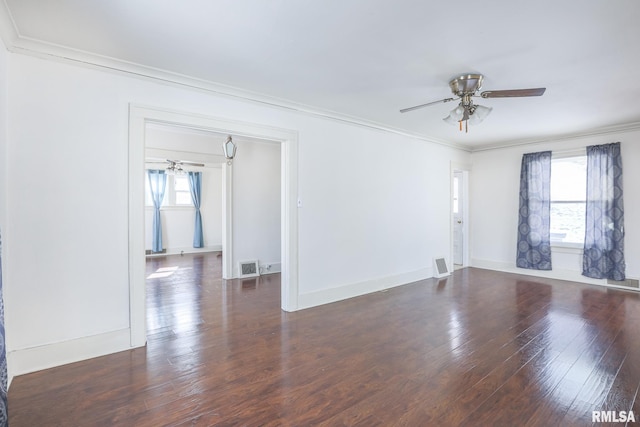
column 139, row 116
column 459, row 217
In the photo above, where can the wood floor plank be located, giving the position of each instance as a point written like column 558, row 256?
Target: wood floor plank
column 477, row 348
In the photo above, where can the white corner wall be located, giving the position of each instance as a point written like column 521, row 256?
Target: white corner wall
column 3, row 171
column 494, row 202
column 375, row 205
column 256, row 205
column 4, row 56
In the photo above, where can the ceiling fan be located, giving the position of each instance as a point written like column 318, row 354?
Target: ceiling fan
column 465, row 87
column 174, row 167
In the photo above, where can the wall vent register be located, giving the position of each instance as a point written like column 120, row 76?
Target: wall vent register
column 248, row 269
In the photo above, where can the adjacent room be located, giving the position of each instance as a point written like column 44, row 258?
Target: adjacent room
column 286, row 213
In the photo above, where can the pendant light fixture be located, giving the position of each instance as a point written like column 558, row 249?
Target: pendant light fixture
column 229, row 149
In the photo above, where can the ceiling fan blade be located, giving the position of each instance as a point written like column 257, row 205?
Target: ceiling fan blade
column 513, row 93
column 406, row 110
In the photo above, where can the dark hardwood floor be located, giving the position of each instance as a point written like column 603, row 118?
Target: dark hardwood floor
column 478, row 348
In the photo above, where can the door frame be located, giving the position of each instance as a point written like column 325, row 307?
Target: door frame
column 139, row 116
column 465, row 169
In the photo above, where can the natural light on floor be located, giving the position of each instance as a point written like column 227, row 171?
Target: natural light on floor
column 162, row 272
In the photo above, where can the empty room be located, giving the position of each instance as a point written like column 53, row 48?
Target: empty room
column 319, row 213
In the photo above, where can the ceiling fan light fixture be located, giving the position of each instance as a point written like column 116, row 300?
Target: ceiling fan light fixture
column 455, row 115
column 479, row 114
column 465, row 87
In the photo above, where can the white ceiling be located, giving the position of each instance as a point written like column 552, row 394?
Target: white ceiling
column 366, row 59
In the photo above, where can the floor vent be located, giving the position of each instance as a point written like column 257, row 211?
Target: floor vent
column 628, row 283
column 248, row 269
column 440, row 268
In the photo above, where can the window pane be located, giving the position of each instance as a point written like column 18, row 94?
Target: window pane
column 181, row 183
column 569, row 179
column 568, row 194
column 183, row 198
column 567, row 222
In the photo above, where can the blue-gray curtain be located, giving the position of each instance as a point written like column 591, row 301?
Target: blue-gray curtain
column 4, row 414
column 158, row 185
column 195, row 187
column 603, row 256
column 534, row 232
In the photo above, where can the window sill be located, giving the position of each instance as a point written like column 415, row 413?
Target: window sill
column 567, row 247
column 171, row 208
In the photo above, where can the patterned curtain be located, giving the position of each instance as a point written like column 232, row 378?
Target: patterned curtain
column 603, row 256
column 4, row 416
column 157, row 184
column 534, row 235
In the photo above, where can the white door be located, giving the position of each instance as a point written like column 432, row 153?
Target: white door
column 457, row 211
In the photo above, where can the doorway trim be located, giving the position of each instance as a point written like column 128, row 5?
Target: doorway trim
column 139, row 116
column 465, row 169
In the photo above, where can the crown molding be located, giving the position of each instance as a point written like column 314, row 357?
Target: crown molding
column 606, row 130
column 16, row 43
column 8, row 29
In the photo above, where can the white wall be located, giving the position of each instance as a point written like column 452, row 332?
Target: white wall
column 4, row 56
column 3, row 168
column 495, row 181
column 375, row 204
column 256, row 204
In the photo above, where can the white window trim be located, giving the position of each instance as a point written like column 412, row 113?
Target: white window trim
column 564, row 154
column 171, row 208
column 568, row 247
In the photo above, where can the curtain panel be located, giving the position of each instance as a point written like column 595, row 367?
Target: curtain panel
column 158, row 185
column 195, row 187
column 603, row 256
column 534, row 234
column 4, row 415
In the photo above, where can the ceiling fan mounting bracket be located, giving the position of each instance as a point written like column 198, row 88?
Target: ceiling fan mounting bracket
column 466, row 84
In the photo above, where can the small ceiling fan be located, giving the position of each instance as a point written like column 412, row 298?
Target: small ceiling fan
column 465, row 87
column 174, row 167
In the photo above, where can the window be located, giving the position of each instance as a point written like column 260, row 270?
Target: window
column 568, row 195
column 181, row 190
column 177, row 192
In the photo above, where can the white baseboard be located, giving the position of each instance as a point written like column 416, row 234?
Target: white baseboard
column 34, row 359
column 570, row 275
column 187, row 250
column 330, row 295
column 276, row 267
